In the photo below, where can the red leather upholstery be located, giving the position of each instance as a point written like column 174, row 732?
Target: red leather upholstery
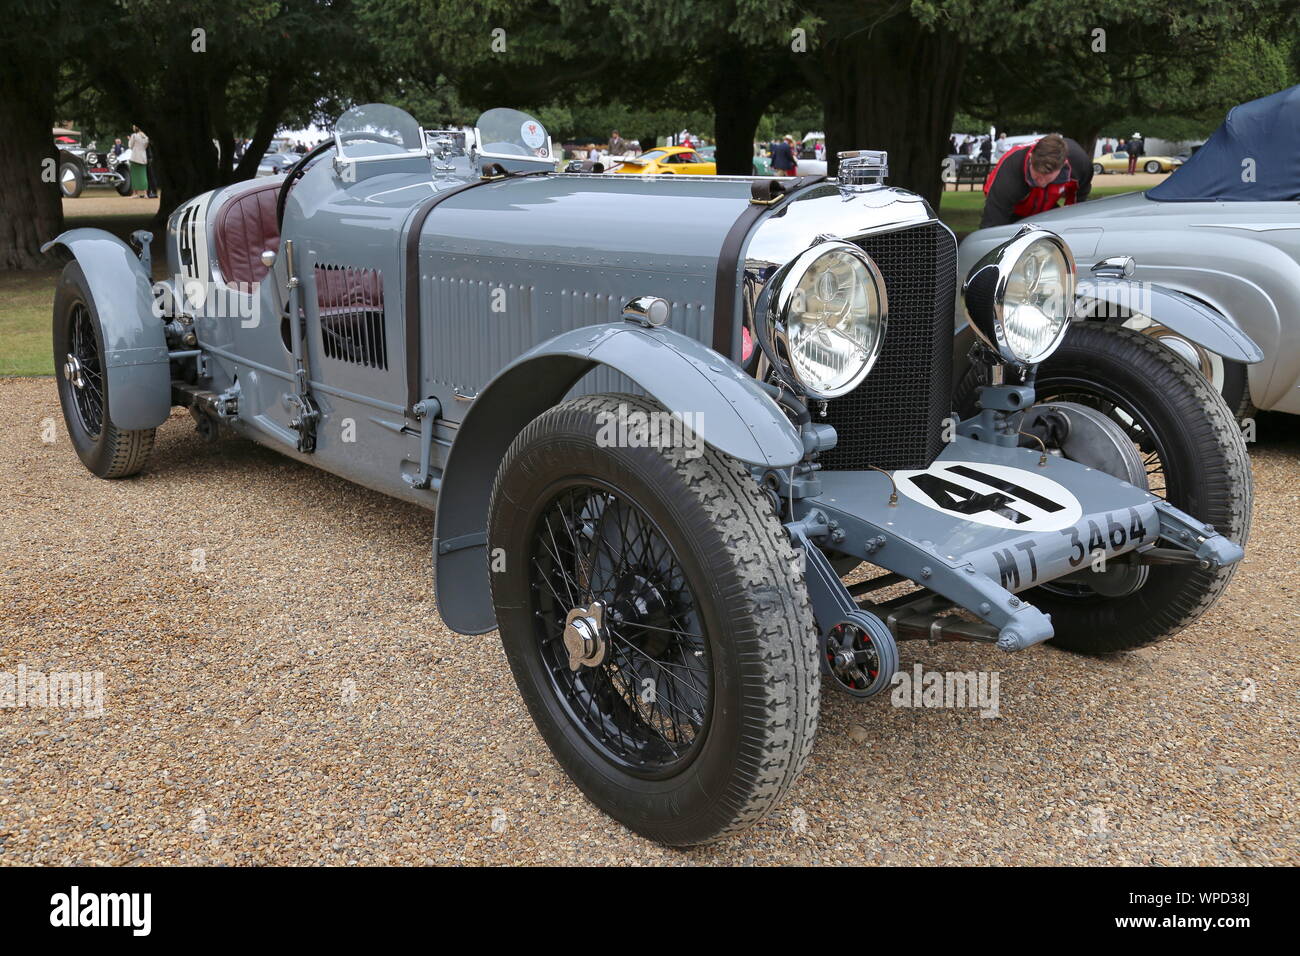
column 344, row 289
column 246, row 228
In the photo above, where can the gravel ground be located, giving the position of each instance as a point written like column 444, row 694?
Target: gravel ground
column 293, row 698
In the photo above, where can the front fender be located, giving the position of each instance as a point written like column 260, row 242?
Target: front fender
column 1175, row 311
column 138, row 373
column 728, row 408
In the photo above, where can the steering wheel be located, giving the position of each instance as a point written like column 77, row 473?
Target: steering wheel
column 295, row 174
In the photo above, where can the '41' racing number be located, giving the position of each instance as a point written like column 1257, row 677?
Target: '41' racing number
column 998, row 495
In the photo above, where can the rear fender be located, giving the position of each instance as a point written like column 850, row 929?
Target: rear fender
column 1174, row 310
column 137, row 373
column 723, row 405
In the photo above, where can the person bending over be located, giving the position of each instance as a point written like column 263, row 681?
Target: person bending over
column 1032, row 179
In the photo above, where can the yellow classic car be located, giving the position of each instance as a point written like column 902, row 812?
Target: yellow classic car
column 1118, row 163
column 668, row 159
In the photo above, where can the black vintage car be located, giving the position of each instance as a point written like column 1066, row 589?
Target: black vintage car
column 81, row 166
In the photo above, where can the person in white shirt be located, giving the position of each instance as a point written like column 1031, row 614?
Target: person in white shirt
column 1000, row 147
column 138, row 145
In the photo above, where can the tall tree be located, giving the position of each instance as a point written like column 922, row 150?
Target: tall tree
column 196, row 74
column 31, row 47
column 889, row 81
column 654, row 55
column 1183, row 83
column 890, row 72
column 736, row 55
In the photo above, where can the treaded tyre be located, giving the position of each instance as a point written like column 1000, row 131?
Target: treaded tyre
column 694, row 701
column 1196, row 460
column 106, row 450
column 1236, row 390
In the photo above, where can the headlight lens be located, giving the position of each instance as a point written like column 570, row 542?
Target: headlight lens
column 1020, row 297
column 826, row 316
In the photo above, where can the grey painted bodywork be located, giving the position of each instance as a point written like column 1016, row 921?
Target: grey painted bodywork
column 1239, row 259
column 135, row 349
column 981, row 568
column 732, row 412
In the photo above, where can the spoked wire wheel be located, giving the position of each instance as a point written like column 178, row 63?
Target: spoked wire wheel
column 641, row 688
column 1124, row 413
column 656, row 621
column 104, row 447
column 84, row 371
column 1193, row 456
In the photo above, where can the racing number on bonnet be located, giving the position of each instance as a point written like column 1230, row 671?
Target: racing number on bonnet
column 996, row 495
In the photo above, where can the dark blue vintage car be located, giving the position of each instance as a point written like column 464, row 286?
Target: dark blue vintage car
column 661, row 419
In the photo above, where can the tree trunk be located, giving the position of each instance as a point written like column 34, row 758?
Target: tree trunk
column 268, row 119
column 1085, row 136
column 734, row 126
column 741, row 90
column 894, row 86
column 187, row 164
column 31, row 209
column 187, row 157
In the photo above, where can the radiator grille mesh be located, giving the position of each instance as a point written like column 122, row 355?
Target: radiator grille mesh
column 894, row 419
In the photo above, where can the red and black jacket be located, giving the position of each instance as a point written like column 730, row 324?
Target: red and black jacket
column 1010, row 193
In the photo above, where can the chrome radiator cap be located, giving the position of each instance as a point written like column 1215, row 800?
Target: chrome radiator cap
column 860, row 168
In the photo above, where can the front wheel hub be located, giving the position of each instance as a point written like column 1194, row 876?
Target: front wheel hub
column 584, row 636
column 73, row 372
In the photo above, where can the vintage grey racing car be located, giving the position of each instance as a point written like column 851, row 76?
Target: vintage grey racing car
column 654, row 452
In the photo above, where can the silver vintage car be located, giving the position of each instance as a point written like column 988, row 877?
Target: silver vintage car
column 656, row 451
column 1208, row 262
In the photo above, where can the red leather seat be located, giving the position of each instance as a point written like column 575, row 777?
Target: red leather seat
column 246, row 228
column 343, row 289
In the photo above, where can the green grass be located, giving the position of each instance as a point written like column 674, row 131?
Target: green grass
column 25, row 347
column 961, row 209
column 27, row 298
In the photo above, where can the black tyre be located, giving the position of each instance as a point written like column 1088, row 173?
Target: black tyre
column 1152, row 167
column 1236, row 390
column 695, row 696
column 124, row 186
column 1098, row 169
column 1195, row 458
column 106, row 450
column 72, row 180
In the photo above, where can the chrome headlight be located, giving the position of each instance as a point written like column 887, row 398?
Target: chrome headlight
column 823, row 318
column 1019, row 297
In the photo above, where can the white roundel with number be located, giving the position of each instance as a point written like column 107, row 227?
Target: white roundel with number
column 533, row 134
column 1016, row 499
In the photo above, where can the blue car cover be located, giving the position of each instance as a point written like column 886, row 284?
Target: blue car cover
column 1253, row 157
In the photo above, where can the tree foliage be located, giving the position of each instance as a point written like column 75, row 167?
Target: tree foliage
column 892, row 74
column 1171, row 85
